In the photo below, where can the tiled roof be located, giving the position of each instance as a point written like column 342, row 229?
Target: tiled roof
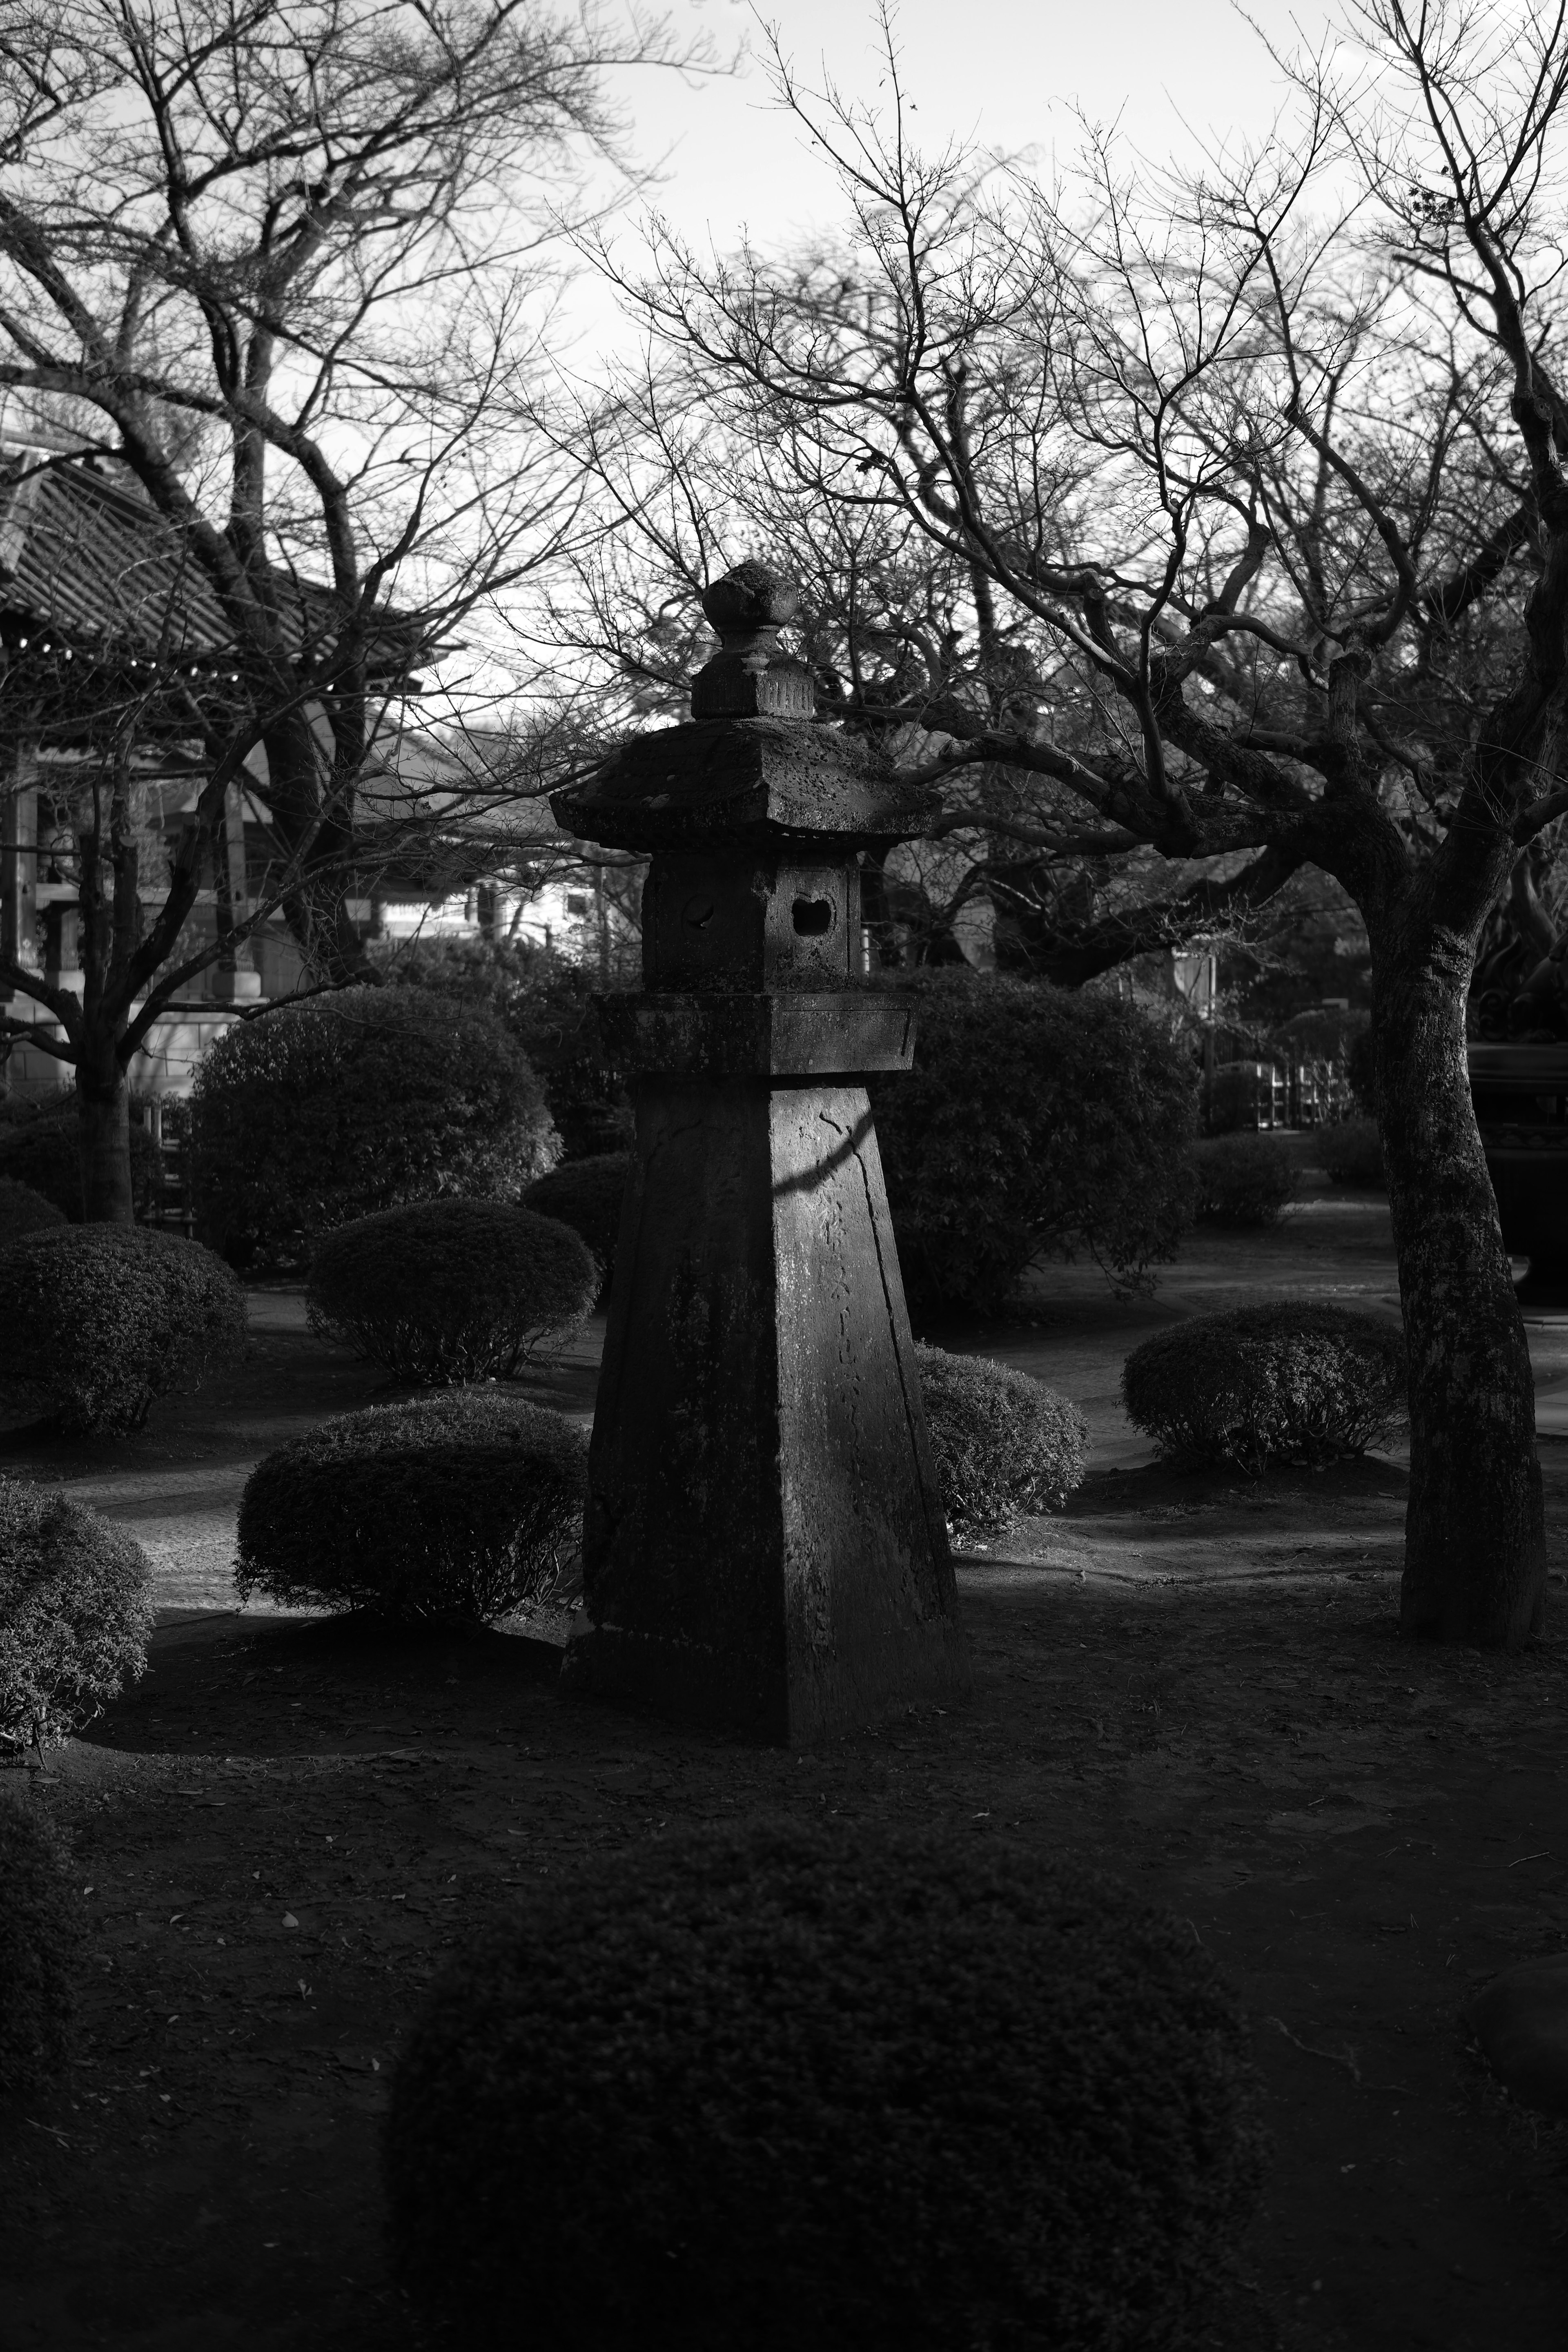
column 84, row 555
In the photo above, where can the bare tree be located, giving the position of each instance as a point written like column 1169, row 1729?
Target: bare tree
column 287, row 273
column 1263, row 468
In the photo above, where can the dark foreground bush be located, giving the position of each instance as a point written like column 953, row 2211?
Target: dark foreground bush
column 463, row 1506
column 1352, row 1154
column 1002, row 1442
column 331, row 1110
column 22, row 1211
column 447, row 1291
column 586, row 1194
column 1035, row 1121
column 75, row 1614
column 42, row 1931
column 1243, row 1179
column 1273, row 1383
column 101, row 1320
column 795, row 2085
column 40, row 1146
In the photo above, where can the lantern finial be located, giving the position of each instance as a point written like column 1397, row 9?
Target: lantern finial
column 745, row 679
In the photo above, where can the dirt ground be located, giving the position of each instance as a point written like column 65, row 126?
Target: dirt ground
column 1196, row 1682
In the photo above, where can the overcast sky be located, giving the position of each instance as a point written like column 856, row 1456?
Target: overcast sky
column 1005, row 72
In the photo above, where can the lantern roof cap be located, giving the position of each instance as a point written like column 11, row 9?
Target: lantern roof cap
column 762, row 782
column 753, row 766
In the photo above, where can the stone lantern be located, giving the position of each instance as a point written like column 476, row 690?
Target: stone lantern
column 764, row 1550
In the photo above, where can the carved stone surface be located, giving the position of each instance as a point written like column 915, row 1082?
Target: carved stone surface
column 753, row 1036
column 764, row 1550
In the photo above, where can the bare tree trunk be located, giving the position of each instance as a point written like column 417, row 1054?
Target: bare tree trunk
column 103, row 1109
column 1475, row 1543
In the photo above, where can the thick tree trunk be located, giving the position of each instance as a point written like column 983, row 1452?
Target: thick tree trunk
column 103, row 1109
column 1475, row 1552
column 318, row 834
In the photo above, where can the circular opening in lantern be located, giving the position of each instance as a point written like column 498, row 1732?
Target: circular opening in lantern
column 813, row 917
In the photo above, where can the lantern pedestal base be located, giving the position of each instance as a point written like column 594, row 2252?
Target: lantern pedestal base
column 764, row 1550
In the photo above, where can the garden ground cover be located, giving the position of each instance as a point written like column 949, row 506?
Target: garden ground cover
column 1195, row 1681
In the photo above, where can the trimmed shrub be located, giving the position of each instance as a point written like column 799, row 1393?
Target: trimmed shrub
column 547, row 1003
column 101, row 1320
column 22, row 1211
column 447, row 1291
column 796, row 2084
column 1035, row 1120
column 1352, row 1153
column 1320, row 1033
column 586, row 1194
column 1243, row 1179
column 42, row 1930
column 1001, row 1441
column 1279, row 1382
column 40, row 1146
column 331, row 1110
column 75, row 1614
column 459, row 1508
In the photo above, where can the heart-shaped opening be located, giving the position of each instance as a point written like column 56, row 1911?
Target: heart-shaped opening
column 813, row 917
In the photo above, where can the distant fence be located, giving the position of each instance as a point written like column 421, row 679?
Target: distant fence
column 1249, row 1095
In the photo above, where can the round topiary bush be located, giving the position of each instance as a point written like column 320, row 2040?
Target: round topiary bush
column 42, row 1930
column 586, row 1194
column 40, row 1146
column 22, row 1211
column 1035, row 1120
column 546, row 1001
column 1001, row 1441
column 101, row 1320
column 447, row 1291
column 331, row 1110
column 1243, row 1179
column 1281, row 1382
column 75, row 1614
column 798, row 2085
column 1352, row 1151
column 464, row 1507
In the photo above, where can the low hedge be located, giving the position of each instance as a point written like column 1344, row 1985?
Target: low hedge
column 586, row 1194
column 1243, row 1179
column 75, row 1614
column 23, row 1212
column 447, row 1291
column 101, row 1320
column 800, row 2085
column 1276, row 1382
column 42, row 1930
column 1001, row 1441
column 1352, row 1151
column 462, row 1506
